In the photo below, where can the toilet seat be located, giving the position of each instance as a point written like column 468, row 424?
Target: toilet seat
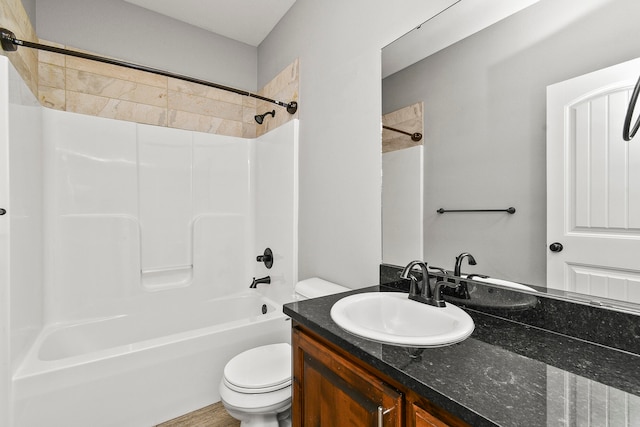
column 260, row 370
column 255, row 403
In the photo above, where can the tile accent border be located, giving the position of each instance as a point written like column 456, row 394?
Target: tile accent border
column 87, row 87
column 81, row 86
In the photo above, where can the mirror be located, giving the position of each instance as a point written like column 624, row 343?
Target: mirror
column 402, row 185
column 485, row 120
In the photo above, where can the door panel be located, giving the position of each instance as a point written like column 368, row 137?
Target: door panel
column 425, row 419
column 593, row 185
column 594, row 404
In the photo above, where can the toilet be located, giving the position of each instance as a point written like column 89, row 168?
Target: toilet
column 256, row 384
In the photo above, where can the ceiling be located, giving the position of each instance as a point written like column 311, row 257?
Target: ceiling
column 250, row 21
column 459, row 21
column 247, row 21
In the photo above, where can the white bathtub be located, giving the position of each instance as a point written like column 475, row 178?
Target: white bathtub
column 140, row 369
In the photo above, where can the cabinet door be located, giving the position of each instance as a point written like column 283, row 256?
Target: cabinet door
column 330, row 390
column 423, row 418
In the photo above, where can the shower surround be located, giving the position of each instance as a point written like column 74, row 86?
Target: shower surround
column 130, row 249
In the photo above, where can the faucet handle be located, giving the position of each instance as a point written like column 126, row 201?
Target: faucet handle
column 439, row 272
column 414, row 287
column 266, row 258
column 437, row 292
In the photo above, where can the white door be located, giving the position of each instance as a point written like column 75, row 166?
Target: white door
column 5, row 361
column 593, row 186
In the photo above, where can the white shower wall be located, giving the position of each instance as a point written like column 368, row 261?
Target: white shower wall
column 26, row 189
column 21, row 255
column 276, row 207
column 131, row 213
column 106, row 217
column 134, row 209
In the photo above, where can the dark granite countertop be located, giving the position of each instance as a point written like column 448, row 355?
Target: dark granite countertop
column 506, row 374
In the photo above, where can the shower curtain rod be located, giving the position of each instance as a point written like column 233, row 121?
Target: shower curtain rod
column 10, row 44
column 414, row 136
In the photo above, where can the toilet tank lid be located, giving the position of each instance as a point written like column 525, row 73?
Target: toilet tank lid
column 316, row 287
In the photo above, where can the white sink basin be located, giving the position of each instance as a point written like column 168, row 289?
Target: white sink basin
column 392, row 318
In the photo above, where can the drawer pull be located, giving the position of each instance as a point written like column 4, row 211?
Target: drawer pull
column 381, row 413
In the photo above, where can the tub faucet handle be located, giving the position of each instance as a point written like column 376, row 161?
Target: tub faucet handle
column 266, row 257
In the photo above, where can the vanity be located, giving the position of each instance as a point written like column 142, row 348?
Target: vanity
column 495, row 106
column 554, row 362
column 334, row 388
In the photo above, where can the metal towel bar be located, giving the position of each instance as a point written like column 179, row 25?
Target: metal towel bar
column 508, row 210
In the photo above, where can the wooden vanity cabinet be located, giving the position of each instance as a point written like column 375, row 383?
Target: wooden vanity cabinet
column 424, row 419
column 330, row 390
column 333, row 389
column 424, row 414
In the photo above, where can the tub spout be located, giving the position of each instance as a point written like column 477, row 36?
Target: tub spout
column 256, row 282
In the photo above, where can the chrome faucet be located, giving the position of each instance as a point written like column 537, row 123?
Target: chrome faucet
column 459, row 259
column 419, row 292
column 256, row 282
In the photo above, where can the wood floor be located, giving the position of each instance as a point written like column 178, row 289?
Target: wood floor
column 210, row 416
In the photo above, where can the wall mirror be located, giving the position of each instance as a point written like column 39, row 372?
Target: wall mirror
column 481, row 70
column 402, row 184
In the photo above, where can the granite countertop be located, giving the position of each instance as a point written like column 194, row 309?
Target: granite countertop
column 506, row 374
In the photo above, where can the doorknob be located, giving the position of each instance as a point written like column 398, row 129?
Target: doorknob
column 556, row 247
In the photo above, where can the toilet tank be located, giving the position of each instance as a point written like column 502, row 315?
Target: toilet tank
column 316, row 287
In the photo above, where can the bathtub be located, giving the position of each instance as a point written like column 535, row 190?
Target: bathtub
column 143, row 368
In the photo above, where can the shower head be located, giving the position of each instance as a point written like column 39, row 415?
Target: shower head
column 260, row 117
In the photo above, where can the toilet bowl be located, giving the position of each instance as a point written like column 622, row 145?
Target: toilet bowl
column 256, row 384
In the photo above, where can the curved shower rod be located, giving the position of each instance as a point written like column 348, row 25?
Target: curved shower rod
column 627, row 132
column 10, row 44
column 417, row 136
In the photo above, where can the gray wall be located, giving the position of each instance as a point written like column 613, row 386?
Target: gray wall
column 338, row 43
column 125, row 31
column 30, row 8
column 485, row 135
